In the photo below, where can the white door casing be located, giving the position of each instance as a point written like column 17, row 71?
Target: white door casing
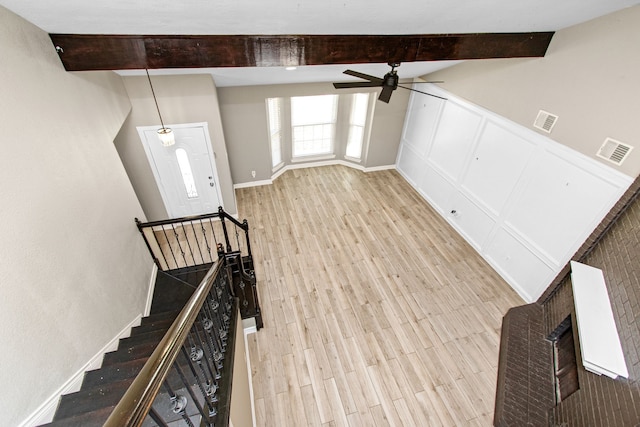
column 181, row 195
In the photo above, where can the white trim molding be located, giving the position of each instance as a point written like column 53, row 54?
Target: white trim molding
column 152, row 286
column 282, row 170
column 45, row 412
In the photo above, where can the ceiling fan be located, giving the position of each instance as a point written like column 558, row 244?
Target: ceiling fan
column 388, row 83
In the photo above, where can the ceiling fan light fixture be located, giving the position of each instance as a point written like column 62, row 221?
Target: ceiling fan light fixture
column 165, row 134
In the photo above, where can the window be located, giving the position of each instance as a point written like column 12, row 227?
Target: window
column 274, row 109
column 313, row 121
column 187, row 175
column 357, row 120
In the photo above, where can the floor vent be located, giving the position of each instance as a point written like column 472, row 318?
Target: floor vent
column 614, row 151
column 545, row 121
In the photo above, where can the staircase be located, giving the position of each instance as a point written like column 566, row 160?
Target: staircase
column 176, row 367
column 103, row 388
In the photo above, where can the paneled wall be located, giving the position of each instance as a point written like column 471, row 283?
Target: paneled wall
column 524, row 202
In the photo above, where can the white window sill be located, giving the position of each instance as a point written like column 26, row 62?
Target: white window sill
column 312, row 158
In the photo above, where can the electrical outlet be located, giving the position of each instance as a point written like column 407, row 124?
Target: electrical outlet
column 253, row 174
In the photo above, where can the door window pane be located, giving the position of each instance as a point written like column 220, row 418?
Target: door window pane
column 187, row 174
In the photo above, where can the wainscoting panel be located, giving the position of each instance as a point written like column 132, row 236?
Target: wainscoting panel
column 523, row 201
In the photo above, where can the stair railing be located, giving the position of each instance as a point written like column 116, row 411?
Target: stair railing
column 199, row 240
column 188, row 376
column 194, row 240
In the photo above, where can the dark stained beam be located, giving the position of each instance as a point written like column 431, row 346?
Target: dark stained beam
column 80, row 52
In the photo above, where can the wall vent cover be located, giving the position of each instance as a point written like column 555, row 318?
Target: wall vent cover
column 614, row 151
column 545, row 121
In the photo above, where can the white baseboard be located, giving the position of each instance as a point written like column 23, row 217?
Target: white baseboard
column 311, row 165
column 253, row 183
column 45, row 412
column 152, row 286
column 250, row 330
column 380, row 168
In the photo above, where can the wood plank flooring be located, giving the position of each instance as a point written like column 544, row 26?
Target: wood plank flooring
column 375, row 311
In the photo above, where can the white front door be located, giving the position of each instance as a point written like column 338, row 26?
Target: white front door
column 185, row 172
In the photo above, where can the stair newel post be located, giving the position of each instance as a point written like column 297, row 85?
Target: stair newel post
column 144, row 237
column 222, row 214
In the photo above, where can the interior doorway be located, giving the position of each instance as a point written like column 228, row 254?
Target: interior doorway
column 185, row 172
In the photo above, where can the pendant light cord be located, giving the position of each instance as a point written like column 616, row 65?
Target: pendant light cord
column 154, row 98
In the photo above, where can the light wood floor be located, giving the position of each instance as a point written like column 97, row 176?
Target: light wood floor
column 376, row 312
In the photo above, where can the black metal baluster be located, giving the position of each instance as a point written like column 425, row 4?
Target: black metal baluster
column 157, row 418
column 212, row 351
column 184, row 231
column 175, row 233
column 206, row 241
column 164, row 256
column 237, row 239
column 211, row 409
column 224, row 229
column 146, row 241
column 195, row 236
column 179, row 402
column 170, row 248
column 213, row 231
column 246, row 234
column 205, row 393
column 216, row 343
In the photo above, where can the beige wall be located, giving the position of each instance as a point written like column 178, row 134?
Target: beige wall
column 246, row 130
column 73, row 268
column 181, row 99
column 590, row 78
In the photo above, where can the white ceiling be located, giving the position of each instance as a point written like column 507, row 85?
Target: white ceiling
column 308, row 17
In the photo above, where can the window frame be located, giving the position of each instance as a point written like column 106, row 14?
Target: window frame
column 332, row 124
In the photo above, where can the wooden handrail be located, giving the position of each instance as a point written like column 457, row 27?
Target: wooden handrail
column 136, row 402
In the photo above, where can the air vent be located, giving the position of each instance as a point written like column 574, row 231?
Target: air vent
column 545, row 121
column 614, row 151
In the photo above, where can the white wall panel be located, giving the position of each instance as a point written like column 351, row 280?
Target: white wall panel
column 422, row 117
column 496, row 165
column 437, row 189
column 453, row 140
column 410, row 164
column 523, row 201
column 472, row 222
column 560, row 203
column 524, row 271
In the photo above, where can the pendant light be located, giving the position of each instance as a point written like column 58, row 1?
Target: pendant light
column 167, row 138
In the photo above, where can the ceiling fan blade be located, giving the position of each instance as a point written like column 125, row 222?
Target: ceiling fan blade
column 385, row 95
column 419, row 91
column 363, row 76
column 356, row 84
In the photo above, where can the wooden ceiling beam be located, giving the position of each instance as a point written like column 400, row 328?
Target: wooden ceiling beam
column 80, row 52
